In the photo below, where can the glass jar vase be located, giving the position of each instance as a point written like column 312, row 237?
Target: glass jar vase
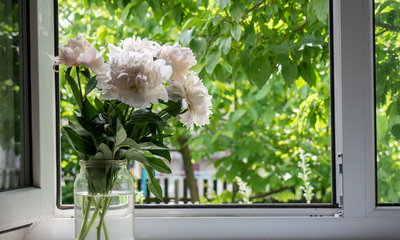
column 104, row 201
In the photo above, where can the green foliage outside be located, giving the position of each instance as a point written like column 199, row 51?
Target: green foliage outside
column 387, row 28
column 266, row 63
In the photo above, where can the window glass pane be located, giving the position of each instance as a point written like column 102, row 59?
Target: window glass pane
column 267, row 66
column 14, row 170
column 387, row 27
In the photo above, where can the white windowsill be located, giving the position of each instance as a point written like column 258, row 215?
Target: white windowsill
column 163, row 228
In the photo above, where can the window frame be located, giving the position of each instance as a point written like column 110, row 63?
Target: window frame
column 355, row 141
column 24, row 206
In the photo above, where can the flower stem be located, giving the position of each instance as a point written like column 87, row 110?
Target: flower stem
column 102, row 223
column 84, row 232
column 85, row 214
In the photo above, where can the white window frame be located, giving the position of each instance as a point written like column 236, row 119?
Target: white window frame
column 355, row 144
column 33, row 204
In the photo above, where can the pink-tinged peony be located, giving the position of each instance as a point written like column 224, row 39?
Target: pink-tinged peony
column 77, row 52
column 195, row 99
column 181, row 59
column 134, row 78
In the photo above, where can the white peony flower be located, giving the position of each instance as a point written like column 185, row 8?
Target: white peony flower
column 134, row 78
column 77, row 52
column 181, row 59
column 140, row 45
column 195, row 99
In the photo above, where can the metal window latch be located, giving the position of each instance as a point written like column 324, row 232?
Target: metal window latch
column 340, row 164
column 339, row 214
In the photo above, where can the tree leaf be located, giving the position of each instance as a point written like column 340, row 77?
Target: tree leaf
column 236, row 32
column 126, row 11
column 212, row 59
column 141, row 10
column 307, row 73
column 259, row 71
column 289, row 69
column 186, row 36
column 237, row 10
column 225, row 45
column 198, row 46
column 223, row 3
column 177, row 13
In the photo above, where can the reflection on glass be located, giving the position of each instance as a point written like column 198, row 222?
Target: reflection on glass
column 387, row 82
column 10, row 139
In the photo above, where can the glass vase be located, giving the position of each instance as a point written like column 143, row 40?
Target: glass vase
column 104, row 201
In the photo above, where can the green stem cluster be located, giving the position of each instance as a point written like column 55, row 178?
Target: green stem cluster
column 100, row 211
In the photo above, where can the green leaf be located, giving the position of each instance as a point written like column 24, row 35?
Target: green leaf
column 289, row 69
column 141, row 10
column 118, row 111
column 152, row 146
column 79, row 143
column 159, row 165
column 137, row 156
column 102, row 33
column 90, row 85
column 259, row 71
column 86, row 124
column 162, row 153
column 381, row 127
column 129, row 143
column 153, row 184
column 262, row 93
column 321, row 8
column 194, row 22
column 223, row 3
column 174, row 108
column 99, row 156
column 212, row 59
column 99, row 104
column 237, row 115
column 225, row 45
column 121, row 135
column 126, row 11
column 105, row 150
column 88, row 110
column 237, row 10
column 143, row 116
column 186, row 36
column 85, row 73
column 394, row 125
column 177, row 13
column 236, row 32
column 198, row 46
column 307, row 73
column 74, row 87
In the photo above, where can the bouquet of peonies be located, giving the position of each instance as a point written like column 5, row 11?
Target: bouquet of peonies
column 122, row 123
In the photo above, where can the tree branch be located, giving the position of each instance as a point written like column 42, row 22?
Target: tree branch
column 261, row 195
column 387, row 26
